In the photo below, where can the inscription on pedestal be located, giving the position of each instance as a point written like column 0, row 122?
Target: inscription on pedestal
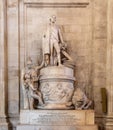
column 53, row 117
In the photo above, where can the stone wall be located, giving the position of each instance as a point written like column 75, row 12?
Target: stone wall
column 85, row 29
column 99, row 50
column 13, row 60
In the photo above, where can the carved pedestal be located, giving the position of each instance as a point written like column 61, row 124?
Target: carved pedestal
column 57, row 120
column 57, row 87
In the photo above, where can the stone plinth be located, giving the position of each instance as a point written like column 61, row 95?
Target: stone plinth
column 57, row 119
column 30, row 127
column 57, row 87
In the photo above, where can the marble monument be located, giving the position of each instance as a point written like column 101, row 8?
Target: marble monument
column 51, row 99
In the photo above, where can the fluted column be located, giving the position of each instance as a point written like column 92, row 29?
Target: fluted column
column 3, row 67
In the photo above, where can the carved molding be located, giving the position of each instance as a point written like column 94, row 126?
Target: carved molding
column 57, row 5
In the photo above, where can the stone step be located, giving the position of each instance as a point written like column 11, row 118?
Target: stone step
column 36, row 127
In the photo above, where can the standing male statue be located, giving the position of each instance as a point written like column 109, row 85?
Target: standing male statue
column 51, row 41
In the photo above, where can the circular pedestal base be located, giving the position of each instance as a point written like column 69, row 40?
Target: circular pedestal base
column 55, row 107
column 57, row 87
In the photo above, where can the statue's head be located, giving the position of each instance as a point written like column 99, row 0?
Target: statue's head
column 29, row 63
column 52, row 19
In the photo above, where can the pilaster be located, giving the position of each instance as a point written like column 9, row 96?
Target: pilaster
column 3, row 67
column 109, row 67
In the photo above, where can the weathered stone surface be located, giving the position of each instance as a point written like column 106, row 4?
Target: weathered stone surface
column 27, row 127
column 57, row 117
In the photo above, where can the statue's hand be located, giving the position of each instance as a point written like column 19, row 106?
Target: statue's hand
column 64, row 46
